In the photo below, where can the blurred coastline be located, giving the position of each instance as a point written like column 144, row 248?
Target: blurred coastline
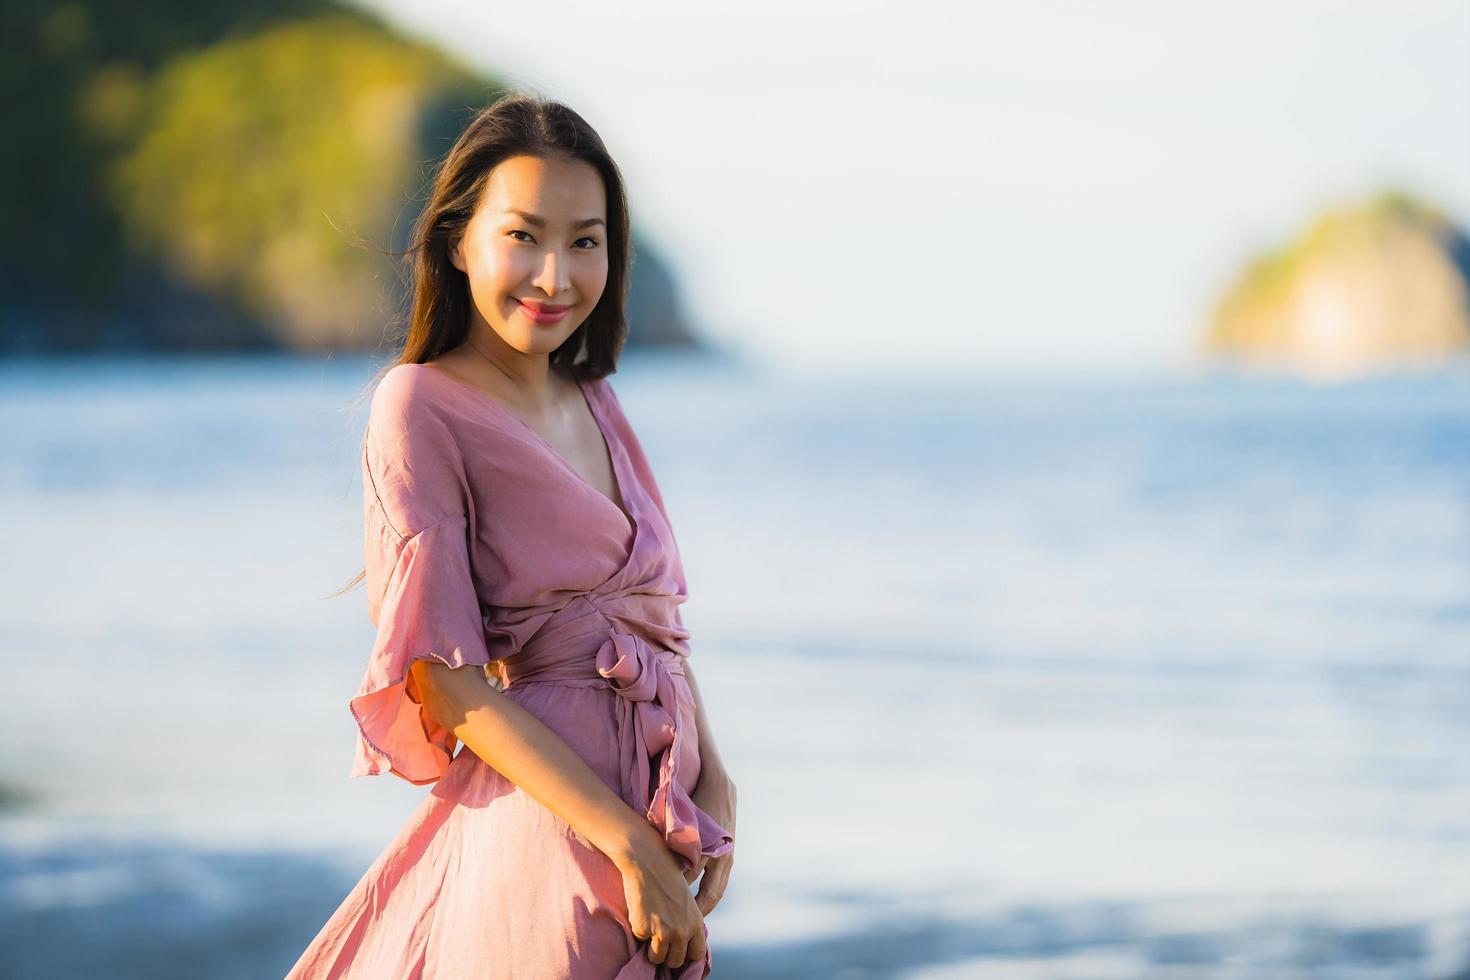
column 238, row 178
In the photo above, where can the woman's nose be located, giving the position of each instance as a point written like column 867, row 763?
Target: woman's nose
column 548, row 279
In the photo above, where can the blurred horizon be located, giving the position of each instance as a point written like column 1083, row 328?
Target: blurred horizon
column 1036, row 189
column 1078, row 183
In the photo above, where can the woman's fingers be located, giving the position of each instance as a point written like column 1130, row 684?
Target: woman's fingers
column 658, row 909
column 677, row 946
column 712, row 887
column 672, row 950
column 697, row 945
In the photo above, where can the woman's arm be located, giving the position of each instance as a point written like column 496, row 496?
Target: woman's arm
column 714, row 793
column 709, row 755
column 522, row 748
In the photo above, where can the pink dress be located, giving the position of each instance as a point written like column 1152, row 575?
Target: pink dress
column 485, row 547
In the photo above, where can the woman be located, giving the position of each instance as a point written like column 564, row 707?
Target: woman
column 513, row 524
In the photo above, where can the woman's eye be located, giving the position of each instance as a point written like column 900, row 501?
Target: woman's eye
column 517, row 231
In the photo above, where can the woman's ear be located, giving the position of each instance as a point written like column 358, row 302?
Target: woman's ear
column 456, row 253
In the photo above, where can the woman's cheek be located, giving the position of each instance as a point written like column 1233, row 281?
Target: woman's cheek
column 592, row 279
column 497, row 266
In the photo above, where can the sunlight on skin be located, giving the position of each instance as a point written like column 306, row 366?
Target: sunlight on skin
column 536, row 236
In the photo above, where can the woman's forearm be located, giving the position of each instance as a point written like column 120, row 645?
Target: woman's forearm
column 709, row 755
column 522, row 748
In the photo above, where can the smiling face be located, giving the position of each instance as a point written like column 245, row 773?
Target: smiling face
column 535, row 253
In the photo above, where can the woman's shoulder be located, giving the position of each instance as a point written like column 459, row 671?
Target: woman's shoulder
column 406, row 415
column 602, row 382
column 401, row 387
column 412, row 461
column 412, row 398
column 603, row 389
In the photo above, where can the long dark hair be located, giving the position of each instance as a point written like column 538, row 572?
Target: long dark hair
column 437, row 318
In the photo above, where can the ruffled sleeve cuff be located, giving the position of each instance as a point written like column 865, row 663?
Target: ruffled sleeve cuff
column 427, row 609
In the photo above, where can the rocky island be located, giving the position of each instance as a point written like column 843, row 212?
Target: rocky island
column 1377, row 285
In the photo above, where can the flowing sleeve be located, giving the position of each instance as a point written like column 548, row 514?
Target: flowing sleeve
column 421, row 593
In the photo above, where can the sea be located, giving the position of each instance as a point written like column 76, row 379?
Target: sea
column 1019, row 677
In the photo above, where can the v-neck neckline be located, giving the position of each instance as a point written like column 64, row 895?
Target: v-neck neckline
column 626, row 510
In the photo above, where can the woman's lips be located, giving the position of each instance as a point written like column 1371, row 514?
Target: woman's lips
column 543, row 315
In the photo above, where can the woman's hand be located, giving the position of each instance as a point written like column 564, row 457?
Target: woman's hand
column 660, row 908
column 715, row 795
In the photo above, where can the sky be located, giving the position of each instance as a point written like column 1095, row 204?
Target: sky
column 1045, row 186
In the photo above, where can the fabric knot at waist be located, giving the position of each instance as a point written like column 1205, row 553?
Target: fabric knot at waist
column 593, row 644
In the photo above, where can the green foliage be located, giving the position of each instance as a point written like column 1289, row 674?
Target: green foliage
column 74, row 75
column 259, row 156
column 212, row 157
column 207, row 175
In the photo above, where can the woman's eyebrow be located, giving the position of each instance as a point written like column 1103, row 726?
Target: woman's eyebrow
column 540, row 222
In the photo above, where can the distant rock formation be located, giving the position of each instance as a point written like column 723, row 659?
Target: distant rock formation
column 1378, row 285
column 226, row 177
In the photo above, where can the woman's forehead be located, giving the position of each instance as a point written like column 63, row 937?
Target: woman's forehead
column 555, row 190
